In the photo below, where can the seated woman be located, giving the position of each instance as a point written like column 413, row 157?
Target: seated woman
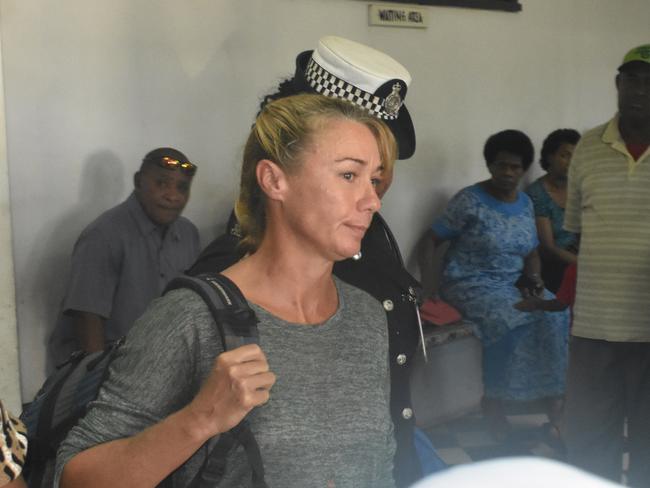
column 316, row 389
column 558, row 247
column 493, row 246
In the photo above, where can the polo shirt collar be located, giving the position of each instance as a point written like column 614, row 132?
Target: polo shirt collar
column 612, row 136
column 144, row 223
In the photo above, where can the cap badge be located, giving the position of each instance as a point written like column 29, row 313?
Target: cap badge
column 393, row 102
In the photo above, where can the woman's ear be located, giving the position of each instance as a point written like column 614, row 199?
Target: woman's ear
column 272, row 179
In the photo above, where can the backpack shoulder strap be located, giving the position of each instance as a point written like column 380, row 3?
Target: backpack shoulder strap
column 236, row 321
column 237, row 324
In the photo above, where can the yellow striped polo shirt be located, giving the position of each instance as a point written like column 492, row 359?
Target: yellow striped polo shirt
column 609, row 204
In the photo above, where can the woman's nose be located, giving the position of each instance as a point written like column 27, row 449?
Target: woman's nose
column 371, row 201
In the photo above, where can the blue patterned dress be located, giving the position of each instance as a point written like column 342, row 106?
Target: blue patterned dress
column 524, row 353
column 552, row 268
column 545, row 206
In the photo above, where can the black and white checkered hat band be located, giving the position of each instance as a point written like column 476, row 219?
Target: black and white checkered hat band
column 327, row 84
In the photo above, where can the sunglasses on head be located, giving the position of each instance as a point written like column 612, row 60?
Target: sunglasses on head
column 174, row 164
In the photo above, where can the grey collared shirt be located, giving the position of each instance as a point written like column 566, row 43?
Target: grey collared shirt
column 121, row 262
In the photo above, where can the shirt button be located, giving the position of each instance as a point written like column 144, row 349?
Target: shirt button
column 401, row 359
column 388, row 305
column 407, row 413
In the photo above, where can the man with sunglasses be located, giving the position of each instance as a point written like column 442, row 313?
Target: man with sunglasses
column 125, row 258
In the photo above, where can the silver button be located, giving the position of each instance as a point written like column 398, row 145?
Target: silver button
column 401, row 359
column 388, row 305
column 407, row 413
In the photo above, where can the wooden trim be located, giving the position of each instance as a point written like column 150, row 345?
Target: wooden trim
column 503, row 5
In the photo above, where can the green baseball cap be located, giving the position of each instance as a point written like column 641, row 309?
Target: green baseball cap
column 638, row 54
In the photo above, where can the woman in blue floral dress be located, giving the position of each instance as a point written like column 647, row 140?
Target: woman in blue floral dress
column 491, row 261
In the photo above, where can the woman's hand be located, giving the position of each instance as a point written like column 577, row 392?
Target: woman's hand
column 529, row 304
column 530, row 282
column 537, row 285
column 240, row 380
column 530, row 286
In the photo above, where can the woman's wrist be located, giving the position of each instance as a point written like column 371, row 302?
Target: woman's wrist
column 196, row 425
column 538, row 283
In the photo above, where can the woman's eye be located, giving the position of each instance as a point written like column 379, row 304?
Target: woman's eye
column 349, row 176
column 375, row 181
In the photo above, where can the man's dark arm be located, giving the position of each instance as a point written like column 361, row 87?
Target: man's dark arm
column 89, row 330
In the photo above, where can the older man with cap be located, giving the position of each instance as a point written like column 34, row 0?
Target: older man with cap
column 349, row 70
column 125, row 258
column 609, row 366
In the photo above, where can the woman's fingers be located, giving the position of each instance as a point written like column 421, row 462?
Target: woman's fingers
column 240, row 380
column 249, row 352
column 252, row 390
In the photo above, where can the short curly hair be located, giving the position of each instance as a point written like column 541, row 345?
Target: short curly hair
column 512, row 141
column 286, row 88
column 553, row 142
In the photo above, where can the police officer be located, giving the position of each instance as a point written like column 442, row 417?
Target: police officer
column 380, row 272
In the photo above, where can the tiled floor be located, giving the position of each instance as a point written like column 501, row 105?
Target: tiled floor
column 467, row 439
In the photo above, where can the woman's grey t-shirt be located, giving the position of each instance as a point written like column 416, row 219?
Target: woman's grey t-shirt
column 327, row 423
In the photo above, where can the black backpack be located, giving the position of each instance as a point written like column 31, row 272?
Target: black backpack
column 64, row 397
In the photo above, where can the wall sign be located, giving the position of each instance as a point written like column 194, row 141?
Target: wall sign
column 388, row 15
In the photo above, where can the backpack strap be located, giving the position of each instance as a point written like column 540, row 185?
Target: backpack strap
column 235, row 320
column 237, row 325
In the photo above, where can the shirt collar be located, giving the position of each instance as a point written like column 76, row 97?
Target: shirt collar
column 144, row 223
column 612, row 136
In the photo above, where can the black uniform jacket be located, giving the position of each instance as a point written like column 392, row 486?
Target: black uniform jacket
column 381, row 273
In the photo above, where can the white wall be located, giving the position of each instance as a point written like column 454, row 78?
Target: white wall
column 9, row 379
column 91, row 85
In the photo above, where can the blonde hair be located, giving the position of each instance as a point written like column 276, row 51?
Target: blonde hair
column 282, row 132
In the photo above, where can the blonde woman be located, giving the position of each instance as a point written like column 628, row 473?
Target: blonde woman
column 316, row 389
